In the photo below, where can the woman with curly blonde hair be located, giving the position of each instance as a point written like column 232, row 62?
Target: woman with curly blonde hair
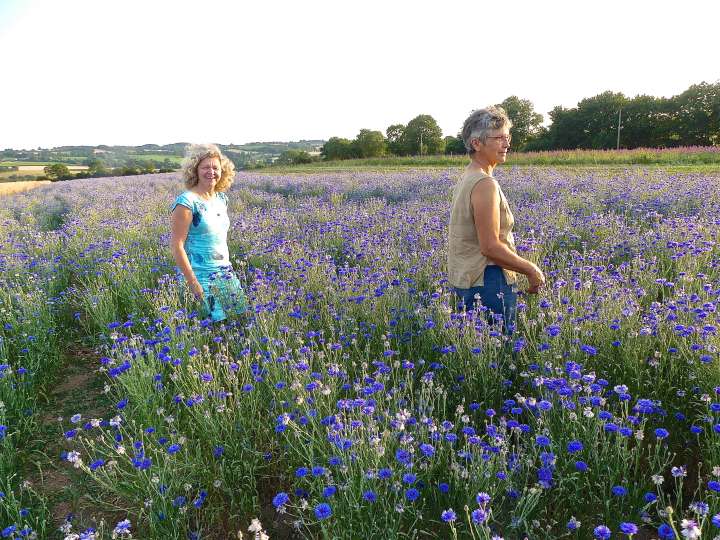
column 199, row 225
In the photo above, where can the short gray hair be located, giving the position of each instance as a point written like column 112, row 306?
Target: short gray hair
column 481, row 122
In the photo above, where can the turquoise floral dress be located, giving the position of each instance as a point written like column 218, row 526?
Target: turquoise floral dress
column 207, row 250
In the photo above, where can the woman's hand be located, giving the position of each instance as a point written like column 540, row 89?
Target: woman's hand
column 196, row 289
column 536, row 279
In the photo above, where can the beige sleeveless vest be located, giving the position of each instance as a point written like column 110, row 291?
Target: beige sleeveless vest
column 466, row 263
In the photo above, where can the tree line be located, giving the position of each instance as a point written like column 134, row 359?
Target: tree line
column 691, row 118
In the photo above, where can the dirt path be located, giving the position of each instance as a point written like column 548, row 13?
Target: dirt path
column 66, row 490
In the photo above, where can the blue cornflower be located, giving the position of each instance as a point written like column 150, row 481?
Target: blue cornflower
column 716, row 520
column 650, row 497
column 97, row 464
column 318, row 471
column 323, row 511
column 173, row 448
column 281, row 499
column 301, row 471
column 661, row 433
column 574, row 446
column 427, row 449
column 542, row 440
column 412, row 494
column 478, row 515
column 403, row 456
column 628, row 528
column 619, row 491
column 544, row 405
column 581, row 466
column 610, row 427
column 482, row 498
column 714, row 485
column 218, row 451
column 665, row 532
column 385, row 474
column 7, row 531
column 329, row 491
column 370, row 496
column 443, row 487
column 448, row 515
column 601, row 532
column 409, row 478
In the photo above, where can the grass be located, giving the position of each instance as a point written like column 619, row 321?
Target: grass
column 686, row 157
column 340, row 167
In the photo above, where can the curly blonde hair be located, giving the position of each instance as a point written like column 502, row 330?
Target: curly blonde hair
column 194, row 154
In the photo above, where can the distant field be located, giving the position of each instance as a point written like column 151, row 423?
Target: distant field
column 686, row 156
column 7, row 188
column 156, row 157
column 21, row 163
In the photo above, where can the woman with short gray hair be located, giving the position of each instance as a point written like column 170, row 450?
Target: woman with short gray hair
column 482, row 260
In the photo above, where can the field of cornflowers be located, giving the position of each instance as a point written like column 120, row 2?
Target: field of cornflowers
column 355, row 401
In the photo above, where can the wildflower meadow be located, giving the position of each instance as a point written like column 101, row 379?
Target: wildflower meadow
column 355, row 401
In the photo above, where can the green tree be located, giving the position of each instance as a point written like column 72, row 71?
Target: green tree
column 294, row 157
column 423, row 136
column 396, row 139
column 646, row 122
column 369, row 144
column 526, row 122
column 337, row 148
column 454, row 145
column 57, row 171
column 95, row 167
column 697, row 115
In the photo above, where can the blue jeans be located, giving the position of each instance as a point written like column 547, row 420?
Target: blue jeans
column 496, row 295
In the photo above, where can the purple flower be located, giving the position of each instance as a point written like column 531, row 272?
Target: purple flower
column 574, row 446
column 628, row 528
column 601, row 532
column 412, row 494
column 323, row 511
column 281, row 499
column 448, row 516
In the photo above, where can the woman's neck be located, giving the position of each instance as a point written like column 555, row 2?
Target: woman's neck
column 205, row 195
column 479, row 164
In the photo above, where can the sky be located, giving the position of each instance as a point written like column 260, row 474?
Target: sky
column 132, row 72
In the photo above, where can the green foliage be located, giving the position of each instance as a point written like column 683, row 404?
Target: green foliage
column 294, row 157
column 57, row 171
column 395, row 139
column 337, row 148
column 423, row 136
column 369, row 144
column 526, row 122
column 455, row 146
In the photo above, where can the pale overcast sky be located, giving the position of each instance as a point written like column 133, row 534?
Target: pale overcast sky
column 154, row 71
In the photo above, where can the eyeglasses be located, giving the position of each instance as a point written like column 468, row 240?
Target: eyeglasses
column 506, row 138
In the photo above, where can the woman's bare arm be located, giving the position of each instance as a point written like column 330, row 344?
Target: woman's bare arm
column 485, row 200
column 180, row 221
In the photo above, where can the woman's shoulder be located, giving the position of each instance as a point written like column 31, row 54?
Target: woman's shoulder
column 186, row 198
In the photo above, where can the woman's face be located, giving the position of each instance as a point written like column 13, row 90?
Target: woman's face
column 209, row 172
column 496, row 146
